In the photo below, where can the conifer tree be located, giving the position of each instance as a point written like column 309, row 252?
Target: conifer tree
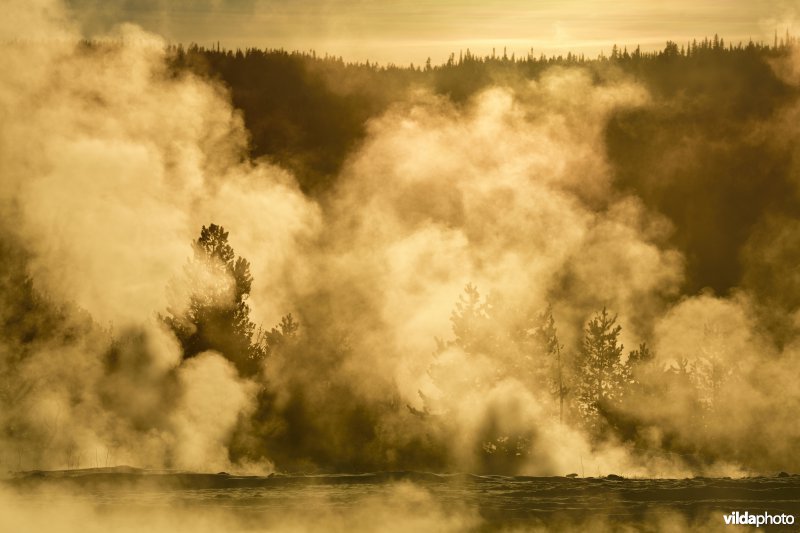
column 218, row 316
column 548, row 344
column 600, row 368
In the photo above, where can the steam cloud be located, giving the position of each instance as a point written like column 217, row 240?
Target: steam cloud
column 111, row 163
column 109, row 167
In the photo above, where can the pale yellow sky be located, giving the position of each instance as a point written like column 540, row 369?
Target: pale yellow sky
column 404, row 31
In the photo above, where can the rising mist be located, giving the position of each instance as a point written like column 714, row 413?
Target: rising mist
column 550, row 188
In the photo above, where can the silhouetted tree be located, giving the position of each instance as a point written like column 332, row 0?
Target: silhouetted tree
column 710, row 369
column 518, row 345
column 280, row 335
column 638, row 363
column 547, row 334
column 600, row 368
column 470, row 320
column 218, row 316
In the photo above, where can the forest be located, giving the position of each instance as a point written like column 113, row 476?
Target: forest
column 511, row 265
column 308, row 113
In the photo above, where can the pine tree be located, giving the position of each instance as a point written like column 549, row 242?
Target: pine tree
column 218, row 316
column 636, row 370
column 710, row 369
column 470, row 320
column 483, row 328
column 547, row 337
column 600, row 368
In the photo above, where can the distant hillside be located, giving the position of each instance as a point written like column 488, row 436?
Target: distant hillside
column 697, row 153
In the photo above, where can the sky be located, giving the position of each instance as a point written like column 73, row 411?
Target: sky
column 404, row 31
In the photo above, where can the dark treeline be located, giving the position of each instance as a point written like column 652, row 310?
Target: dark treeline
column 321, row 422
column 694, row 153
column 594, row 383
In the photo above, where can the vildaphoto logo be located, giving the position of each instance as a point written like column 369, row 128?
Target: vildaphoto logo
column 762, row 519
